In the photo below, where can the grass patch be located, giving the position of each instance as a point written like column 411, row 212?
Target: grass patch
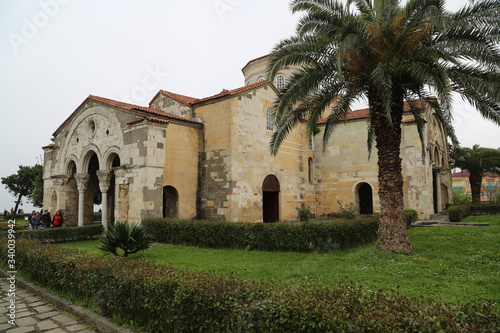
column 448, row 263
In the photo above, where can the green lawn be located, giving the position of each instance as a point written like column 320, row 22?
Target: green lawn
column 447, row 263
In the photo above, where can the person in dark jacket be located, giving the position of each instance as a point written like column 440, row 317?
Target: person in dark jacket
column 35, row 221
column 46, row 219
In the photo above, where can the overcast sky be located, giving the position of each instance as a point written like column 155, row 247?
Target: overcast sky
column 54, row 53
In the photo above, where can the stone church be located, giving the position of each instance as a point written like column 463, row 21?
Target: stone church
column 209, row 158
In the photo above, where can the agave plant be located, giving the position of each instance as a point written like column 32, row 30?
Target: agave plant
column 129, row 237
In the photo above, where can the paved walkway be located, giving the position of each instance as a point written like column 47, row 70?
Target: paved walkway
column 38, row 310
column 32, row 314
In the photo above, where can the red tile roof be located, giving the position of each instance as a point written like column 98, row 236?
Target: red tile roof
column 49, row 146
column 179, row 98
column 363, row 113
column 191, row 101
column 126, row 106
column 248, row 63
column 152, row 119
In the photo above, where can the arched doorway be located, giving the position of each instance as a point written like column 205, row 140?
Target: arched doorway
column 365, row 197
column 271, row 199
column 170, row 202
column 93, row 193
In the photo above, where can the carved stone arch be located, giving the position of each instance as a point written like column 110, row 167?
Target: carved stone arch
column 87, row 155
column 111, row 157
column 79, row 129
column 71, row 167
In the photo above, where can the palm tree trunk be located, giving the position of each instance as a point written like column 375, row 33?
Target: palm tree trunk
column 392, row 233
column 475, row 187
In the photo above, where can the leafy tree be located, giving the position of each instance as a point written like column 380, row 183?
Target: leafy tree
column 387, row 53
column 477, row 160
column 36, row 197
column 129, row 237
column 24, row 184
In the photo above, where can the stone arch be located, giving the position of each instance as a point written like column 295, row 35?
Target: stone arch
column 170, row 202
column 90, row 165
column 87, row 155
column 270, row 199
column 107, row 184
column 71, row 166
column 111, row 158
column 363, row 196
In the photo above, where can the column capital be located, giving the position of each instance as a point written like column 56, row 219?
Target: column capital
column 104, row 180
column 82, row 180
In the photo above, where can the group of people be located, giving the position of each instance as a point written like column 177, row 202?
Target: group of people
column 38, row 221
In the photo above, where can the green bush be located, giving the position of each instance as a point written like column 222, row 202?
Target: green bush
column 484, row 209
column 304, row 213
column 348, row 211
column 411, row 216
column 156, row 298
column 461, row 197
column 65, row 234
column 458, row 212
column 128, row 237
column 281, row 236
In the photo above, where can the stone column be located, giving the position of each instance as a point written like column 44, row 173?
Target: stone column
column 120, row 180
column 82, row 180
column 438, row 191
column 104, row 182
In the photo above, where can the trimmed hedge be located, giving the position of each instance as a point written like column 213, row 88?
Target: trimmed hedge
column 64, row 234
column 484, row 209
column 159, row 298
column 411, row 216
column 457, row 213
column 296, row 236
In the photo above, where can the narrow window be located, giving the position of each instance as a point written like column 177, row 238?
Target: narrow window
column 280, row 82
column 270, row 120
column 310, row 170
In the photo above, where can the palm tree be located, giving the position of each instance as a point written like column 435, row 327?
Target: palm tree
column 387, row 53
column 477, row 160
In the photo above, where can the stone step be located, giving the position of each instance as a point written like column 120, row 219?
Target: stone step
column 440, row 217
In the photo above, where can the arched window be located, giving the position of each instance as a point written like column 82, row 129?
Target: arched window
column 310, row 170
column 280, row 82
column 260, row 79
column 270, row 120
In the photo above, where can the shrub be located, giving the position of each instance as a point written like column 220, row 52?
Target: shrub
column 281, row 236
column 411, row 216
column 348, row 211
column 461, row 197
column 484, row 209
column 129, row 237
column 304, row 212
column 156, row 298
column 458, row 212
